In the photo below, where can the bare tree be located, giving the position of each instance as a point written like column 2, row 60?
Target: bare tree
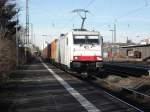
column 8, row 21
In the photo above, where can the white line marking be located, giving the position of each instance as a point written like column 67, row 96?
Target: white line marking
column 81, row 99
column 44, row 70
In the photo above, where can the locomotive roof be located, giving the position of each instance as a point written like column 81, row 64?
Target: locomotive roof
column 85, row 33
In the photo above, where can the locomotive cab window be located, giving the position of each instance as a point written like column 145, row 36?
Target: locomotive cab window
column 86, row 39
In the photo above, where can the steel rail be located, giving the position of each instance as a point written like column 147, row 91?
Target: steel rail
column 113, row 96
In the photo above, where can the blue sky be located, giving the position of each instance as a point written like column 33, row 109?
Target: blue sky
column 52, row 17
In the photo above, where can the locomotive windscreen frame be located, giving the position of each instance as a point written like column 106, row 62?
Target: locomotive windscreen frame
column 86, row 39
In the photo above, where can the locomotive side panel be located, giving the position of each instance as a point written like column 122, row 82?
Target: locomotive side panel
column 63, row 50
column 57, row 59
column 66, row 51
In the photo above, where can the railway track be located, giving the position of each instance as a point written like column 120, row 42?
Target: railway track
column 113, row 98
column 136, row 98
column 127, row 69
column 132, row 98
column 138, row 88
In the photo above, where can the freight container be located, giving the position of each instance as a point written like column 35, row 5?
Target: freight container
column 46, row 52
column 53, row 50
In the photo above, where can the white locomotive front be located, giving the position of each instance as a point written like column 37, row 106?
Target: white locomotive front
column 80, row 51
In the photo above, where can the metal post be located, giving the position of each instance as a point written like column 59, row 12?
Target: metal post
column 43, row 45
column 34, row 39
column 112, row 44
column 44, row 39
column 32, row 33
column 27, row 28
column 27, row 21
column 112, row 36
column 114, row 33
column 17, row 50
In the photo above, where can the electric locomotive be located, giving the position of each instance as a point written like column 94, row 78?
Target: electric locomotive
column 80, row 51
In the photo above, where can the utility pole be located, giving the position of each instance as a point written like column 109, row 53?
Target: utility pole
column 113, row 30
column 114, row 33
column 27, row 21
column 27, row 28
column 32, row 33
column 112, row 36
column 17, row 36
column 44, row 36
column 34, row 39
column 127, row 40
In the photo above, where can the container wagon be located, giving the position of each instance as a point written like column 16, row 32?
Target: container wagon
column 53, row 51
column 46, row 53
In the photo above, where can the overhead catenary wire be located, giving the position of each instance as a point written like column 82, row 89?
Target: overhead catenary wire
column 89, row 4
column 146, row 4
column 73, row 17
column 65, row 26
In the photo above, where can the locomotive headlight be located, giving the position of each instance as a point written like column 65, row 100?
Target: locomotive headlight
column 75, row 57
column 98, row 58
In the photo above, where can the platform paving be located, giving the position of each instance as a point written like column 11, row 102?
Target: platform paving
column 32, row 88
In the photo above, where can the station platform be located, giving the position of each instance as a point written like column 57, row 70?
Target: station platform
column 41, row 87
